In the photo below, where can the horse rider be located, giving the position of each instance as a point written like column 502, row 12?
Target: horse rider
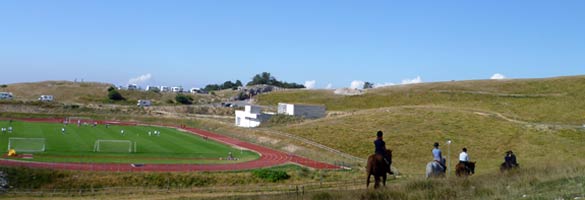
column 438, row 157
column 510, row 159
column 380, row 148
column 464, row 158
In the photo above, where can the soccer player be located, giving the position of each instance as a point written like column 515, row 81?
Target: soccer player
column 63, row 130
column 122, row 132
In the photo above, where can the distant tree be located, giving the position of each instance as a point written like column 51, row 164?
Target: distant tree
column 266, row 78
column 212, row 87
column 184, row 99
column 115, row 95
column 368, row 85
column 111, row 88
column 3, row 85
column 239, row 83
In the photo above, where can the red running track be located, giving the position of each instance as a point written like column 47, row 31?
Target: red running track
column 268, row 157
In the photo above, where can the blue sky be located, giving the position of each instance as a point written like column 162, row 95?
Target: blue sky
column 194, row 43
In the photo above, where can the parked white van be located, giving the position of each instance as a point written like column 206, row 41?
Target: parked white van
column 143, row 103
column 6, row 95
column 46, row 98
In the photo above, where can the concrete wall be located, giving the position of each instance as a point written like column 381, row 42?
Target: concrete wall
column 306, row 111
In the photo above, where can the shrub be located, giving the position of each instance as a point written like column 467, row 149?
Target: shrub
column 184, row 99
column 114, row 95
column 3, row 86
column 271, row 175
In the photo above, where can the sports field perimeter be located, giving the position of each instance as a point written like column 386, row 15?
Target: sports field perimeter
column 134, row 145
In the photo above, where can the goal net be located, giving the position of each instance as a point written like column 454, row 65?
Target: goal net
column 27, row 145
column 81, row 120
column 120, row 146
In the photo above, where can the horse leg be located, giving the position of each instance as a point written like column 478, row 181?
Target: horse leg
column 376, row 181
column 368, row 180
column 384, row 180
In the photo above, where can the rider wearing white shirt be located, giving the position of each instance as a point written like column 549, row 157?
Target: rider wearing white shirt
column 464, row 157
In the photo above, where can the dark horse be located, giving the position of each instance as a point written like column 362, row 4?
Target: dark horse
column 461, row 170
column 378, row 167
column 508, row 166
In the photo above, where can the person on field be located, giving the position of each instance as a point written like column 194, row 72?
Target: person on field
column 10, row 129
column 464, row 158
column 63, row 130
column 438, row 156
column 380, row 149
column 510, row 159
column 122, row 132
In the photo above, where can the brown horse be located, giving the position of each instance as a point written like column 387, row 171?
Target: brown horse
column 378, row 168
column 461, row 170
column 504, row 167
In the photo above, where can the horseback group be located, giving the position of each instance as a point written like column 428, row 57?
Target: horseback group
column 380, row 163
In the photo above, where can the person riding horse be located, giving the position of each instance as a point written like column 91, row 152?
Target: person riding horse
column 509, row 162
column 464, row 158
column 380, row 149
column 438, row 156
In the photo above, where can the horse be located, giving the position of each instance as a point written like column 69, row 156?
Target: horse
column 461, row 170
column 377, row 167
column 507, row 167
column 435, row 169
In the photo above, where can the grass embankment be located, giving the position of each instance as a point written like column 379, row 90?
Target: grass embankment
column 23, row 179
column 552, row 100
column 77, row 144
column 550, row 181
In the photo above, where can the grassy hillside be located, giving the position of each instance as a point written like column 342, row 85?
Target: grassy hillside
column 488, row 117
column 411, row 131
column 552, row 100
column 89, row 92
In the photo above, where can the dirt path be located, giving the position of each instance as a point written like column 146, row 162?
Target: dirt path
column 268, row 157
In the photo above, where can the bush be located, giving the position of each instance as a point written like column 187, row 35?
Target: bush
column 183, row 99
column 3, row 86
column 114, row 95
column 271, row 175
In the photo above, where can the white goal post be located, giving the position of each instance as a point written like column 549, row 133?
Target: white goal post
column 114, row 146
column 74, row 120
column 27, row 145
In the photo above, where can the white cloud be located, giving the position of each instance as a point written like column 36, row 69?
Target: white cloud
column 329, row 86
column 377, row 85
column 357, row 84
column 141, row 79
column 412, row 81
column 310, row 84
column 498, row 76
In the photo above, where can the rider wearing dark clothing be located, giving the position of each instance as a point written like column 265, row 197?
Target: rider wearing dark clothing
column 510, row 159
column 380, row 148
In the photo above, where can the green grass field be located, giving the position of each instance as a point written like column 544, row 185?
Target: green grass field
column 77, row 144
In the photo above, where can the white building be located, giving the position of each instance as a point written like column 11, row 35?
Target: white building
column 300, row 110
column 132, row 87
column 144, row 103
column 251, row 116
column 177, row 89
column 165, row 89
column 46, row 98
column 197, row 91
column 152, row 88
column 6, row 95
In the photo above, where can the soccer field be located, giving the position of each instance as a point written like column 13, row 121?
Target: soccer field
column 135, row 145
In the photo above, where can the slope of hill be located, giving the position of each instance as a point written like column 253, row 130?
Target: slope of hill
column 552, row 100
column 539, row 119
column 90, row 92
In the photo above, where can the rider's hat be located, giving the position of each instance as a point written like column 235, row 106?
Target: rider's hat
column 380, row 134
column 436, row 144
